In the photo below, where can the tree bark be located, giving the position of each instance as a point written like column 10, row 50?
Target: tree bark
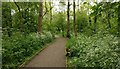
column 40, row 17
column 108, row 15
column 68, row 19
column 74, row 21
column 119, row 20
column 9, row 29
column 108, row 19
column 95, row 21
column 50, row 13
column 78, row 5
column 90, row 20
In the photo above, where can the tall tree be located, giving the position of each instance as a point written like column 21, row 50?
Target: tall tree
column 107, row 7
column 95, row 21
column 119, row 19
column 40, row 17
column 68, row 19
column 74, row 21
column 50, row 12
column 78, row 5
column 7, row 19
column 89, row 14
column 96, row 13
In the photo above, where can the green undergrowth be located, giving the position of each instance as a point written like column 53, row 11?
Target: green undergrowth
column 17, row 48
column 98, row 50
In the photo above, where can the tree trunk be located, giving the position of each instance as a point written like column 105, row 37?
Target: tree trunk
column 50, row 16
column 108, row 19
column 9, row 29
column 95, row 21
column 50, row 13
column 74, row 21
column 78, row 5
column 68, row 19
column 21, row 15
column 50, row 3
column 118, row 51
column 108, row 15
column 90, row 21
column 40, row 17
column 119, row 20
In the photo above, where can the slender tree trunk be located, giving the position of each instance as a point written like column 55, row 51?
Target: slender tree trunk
column 68, row 19
column 50, row 3
column 119, row 20
column 89, row 15
column 50, row 16
column 74, row 21
column 50, row 13
column 108, row 15
column 90, row 20
column 108, row 19
column 118, row 30
column 21, row 15
column 78, row 5
column 40, row 17
column 95, row 21
column 9, row 29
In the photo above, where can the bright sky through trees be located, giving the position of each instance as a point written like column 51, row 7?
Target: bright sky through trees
column 60, row 0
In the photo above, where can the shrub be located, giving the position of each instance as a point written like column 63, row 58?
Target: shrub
column 18, row 47
column 92, row 51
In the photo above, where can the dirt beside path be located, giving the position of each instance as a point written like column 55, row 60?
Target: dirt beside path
column 52, row 56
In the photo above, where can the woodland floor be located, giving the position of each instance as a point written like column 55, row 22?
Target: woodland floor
column 52, row 56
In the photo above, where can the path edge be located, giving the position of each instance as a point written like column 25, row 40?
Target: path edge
column 66, row 56
column 27, row 60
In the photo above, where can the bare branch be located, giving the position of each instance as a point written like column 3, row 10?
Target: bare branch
column 17, row 5
column 46, row 10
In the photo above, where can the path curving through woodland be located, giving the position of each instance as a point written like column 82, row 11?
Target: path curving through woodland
column 52, row 56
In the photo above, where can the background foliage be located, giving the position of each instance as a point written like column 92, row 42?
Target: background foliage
column 97, row 29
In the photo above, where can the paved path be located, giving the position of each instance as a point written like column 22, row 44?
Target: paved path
column 52, row 56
